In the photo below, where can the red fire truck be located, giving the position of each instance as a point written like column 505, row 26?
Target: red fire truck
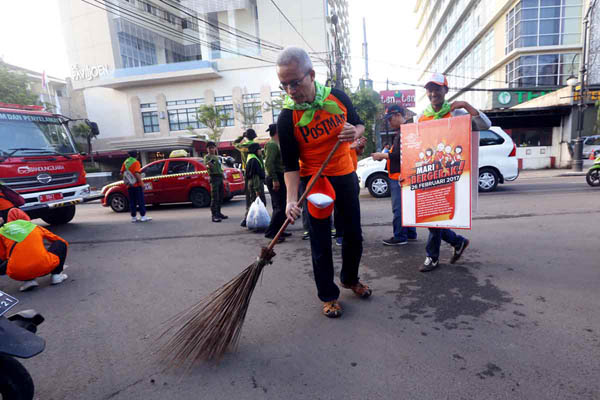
column 39, row 160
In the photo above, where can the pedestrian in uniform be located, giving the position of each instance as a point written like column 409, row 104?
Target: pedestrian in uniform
column 436, row 90
column 135, row 189
column 313, row 119
column 215, row 171
column 396, row 116
column 275, row 183
column 255, row 173
column 242, row 146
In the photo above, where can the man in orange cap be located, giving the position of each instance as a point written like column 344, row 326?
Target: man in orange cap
column 313, row 119
column 436, row 89
column 22, row 246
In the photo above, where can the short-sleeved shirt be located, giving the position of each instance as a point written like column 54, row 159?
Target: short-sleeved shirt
column 135, row 168
column 213, row 164
column 305, row 148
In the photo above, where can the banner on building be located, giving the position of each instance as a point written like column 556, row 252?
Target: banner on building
column 404, row 98
column 437, row 173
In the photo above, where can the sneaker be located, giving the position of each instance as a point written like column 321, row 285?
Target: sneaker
column 429, row 265
column 333, row 233
column 243, row 223
column 359, row 289
column 134, row 219
column 332, row 309
column 394, row 242
column 222, row 216
column 305, row 235
column 29, row 285
column 216, row 219
column 458, row 251
column 58, row 278
column 339, row 241
column 146, row 218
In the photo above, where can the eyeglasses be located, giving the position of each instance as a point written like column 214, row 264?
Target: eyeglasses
column 293, row 84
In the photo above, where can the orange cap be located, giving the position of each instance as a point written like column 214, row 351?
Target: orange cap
column 16, row 213
column 321, row 199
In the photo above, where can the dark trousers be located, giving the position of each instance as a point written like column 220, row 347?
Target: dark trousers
column 60, row 249
column 346, row 193
column 436, row 235
column 400, row 232
column 278, row 200
column 216, row 194
column 136, row 199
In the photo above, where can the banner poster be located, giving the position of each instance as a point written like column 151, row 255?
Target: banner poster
column 436, row 173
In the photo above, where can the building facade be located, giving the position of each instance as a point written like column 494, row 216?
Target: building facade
column 145, row 66
column 498, row 54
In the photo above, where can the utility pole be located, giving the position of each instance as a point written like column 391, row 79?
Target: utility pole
column 339, row 82
column 365, row 50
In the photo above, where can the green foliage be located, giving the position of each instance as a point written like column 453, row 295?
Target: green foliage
column 212, row 118
column 369, row 108
column 14, row 88
column 82, row 135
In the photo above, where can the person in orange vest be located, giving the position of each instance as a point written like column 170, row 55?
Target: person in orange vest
column 313, row 119
column 22, row 247
column 436, row 89
column 396, row 115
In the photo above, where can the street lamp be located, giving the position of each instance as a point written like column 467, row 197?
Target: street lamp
column 572, row 81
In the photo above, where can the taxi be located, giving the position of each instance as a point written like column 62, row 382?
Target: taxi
column 175, row 180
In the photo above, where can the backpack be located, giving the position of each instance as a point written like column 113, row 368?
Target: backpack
column 11, row 196
column 129, row 178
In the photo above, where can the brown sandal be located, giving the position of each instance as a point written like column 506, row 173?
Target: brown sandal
column 332, row 309
column 359, row 289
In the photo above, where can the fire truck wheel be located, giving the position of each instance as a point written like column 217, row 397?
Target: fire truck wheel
column 59, row 216
column 118, row 202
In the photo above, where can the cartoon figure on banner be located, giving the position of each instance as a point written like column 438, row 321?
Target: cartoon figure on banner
column 448, row 157
column 428, row 156
column 439, row 155
column 421, row 160
column 457, row 156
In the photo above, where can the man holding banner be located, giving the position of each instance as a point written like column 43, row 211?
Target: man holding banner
column 436, row 89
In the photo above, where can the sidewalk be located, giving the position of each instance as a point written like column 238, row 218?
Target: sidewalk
column 551, row 172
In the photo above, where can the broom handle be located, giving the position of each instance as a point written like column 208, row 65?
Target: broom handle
column 310, row 185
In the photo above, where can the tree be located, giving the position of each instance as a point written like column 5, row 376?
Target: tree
column 249, row 113
column 213, row 119
column 14, row 87
column 83, row 131
column 368, row 105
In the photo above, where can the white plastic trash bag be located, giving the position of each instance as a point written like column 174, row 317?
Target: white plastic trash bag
column 258, row 216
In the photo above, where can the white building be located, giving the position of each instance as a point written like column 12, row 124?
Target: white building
column 145, row 66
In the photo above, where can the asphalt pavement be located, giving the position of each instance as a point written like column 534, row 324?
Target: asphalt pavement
column 516, row 318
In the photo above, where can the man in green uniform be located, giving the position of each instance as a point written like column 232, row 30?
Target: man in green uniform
column 216, row 182
column 242, row 147
column 275, row 183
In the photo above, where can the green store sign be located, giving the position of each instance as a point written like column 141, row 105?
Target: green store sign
column 507, row 99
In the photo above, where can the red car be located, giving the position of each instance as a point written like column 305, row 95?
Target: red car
column 174, row 180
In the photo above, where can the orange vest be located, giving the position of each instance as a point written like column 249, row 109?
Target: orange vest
column 396, row 175
column 30, row 259
column 316, row 140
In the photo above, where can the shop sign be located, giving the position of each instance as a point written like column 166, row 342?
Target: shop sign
column 404, row 98
column 87, row 72
column 507, row 99
column 591, row 96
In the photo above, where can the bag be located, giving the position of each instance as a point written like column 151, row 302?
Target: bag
column 258, row 217
column 129, row 178
column 11, row 195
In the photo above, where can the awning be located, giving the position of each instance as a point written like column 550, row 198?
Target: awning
column 528, row 117
column 157, row 144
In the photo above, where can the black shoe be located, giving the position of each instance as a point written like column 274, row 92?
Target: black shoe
column 243, row 223
column 429, row 265
column 286, row 234
column 333, row 233
column 305, row 235
column 216, row 219
column 394, row 242
column 458, row 251
column 222, row 216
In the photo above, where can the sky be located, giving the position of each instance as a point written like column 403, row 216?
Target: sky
column 39, row 45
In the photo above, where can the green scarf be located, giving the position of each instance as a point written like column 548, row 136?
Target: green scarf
column 17, row 230
column 129, row 162
column 320, row 103
column 430, row 112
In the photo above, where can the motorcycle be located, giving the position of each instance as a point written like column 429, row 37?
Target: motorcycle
column 593, row 175
column 17, row 339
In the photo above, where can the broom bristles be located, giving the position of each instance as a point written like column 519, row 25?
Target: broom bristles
column 208, row 329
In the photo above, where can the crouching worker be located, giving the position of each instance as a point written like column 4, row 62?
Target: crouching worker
column 24, row 255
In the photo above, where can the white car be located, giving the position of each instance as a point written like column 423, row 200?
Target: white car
column 497, row 164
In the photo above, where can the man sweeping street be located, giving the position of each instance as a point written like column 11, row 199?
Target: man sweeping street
column 436, row 90
column 314, row 118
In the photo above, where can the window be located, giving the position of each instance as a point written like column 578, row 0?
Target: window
column 543, row 23
column 183, row 118
column 541, row 70
column 180, row 167
column 59, row 93
column 227, row 110
column 489, row 138
column 524, row 137
column 136, row 52
column 148, row 105
column 251, row 96
column 222, row 98
column 150, row 121
column 153, row 169
column 187, row 101
column 254, row 110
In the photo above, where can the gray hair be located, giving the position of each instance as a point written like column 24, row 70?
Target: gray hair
column 297, row 55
